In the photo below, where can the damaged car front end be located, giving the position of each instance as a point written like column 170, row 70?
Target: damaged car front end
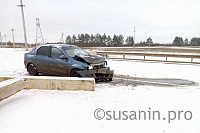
column 97, row 71
column 96, row 65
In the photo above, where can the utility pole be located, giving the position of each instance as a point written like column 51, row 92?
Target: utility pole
column 134, row 37
column 5, row 40
column 23, row 19
column 13, row 37
column 39, row 36
column 1, row 40
column 61, row 39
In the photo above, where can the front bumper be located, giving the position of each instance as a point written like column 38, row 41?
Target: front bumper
column 103, row 73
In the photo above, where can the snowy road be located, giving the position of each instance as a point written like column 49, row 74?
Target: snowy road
column 136, row 86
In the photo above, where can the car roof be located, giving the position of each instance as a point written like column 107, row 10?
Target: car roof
column 58, row 45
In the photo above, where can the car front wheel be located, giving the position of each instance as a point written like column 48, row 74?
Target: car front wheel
column 74, row 73
column 32, row 70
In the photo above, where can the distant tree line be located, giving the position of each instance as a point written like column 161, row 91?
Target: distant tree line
column 178, row 41
column 98, row 40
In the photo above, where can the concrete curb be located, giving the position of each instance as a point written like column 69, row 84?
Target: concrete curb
column 11, row 85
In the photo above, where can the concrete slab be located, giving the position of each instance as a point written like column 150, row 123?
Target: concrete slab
column 11, row 85
column 59, row 83
column 4, row 78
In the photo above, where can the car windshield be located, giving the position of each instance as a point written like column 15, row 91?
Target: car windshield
column 72, row 52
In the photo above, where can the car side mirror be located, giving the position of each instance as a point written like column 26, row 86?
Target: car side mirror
column 62, row 57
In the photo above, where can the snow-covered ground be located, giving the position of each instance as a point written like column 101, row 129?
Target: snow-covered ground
column 68, row 111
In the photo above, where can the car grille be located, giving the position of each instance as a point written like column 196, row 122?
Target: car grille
column 97, row 66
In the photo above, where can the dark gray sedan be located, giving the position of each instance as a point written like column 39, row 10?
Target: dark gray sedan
column 66, row 60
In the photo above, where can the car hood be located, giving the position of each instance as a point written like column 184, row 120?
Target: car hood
column 90, row 59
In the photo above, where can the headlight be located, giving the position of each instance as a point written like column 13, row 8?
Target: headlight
column 90, row 67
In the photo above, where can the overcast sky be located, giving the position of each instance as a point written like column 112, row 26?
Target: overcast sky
column 161, row 20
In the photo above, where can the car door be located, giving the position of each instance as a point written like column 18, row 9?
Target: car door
column 42, row 59
column 58, row 66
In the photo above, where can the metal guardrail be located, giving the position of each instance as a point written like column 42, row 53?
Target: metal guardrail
column 166, row 56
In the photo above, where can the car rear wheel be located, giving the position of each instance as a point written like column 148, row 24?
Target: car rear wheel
column 32, row 70
column 74, row 73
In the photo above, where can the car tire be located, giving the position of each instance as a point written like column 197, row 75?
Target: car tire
column 74, row 73
column 32, row 70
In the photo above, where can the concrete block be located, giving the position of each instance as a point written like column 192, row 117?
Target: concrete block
column 60, row 83
column 4, row 78
column 10, row 87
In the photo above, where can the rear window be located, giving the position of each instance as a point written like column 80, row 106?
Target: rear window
column 43, row 51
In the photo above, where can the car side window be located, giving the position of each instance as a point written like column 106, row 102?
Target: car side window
column 56, row 53
column 43, row 51
column 33, row 51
